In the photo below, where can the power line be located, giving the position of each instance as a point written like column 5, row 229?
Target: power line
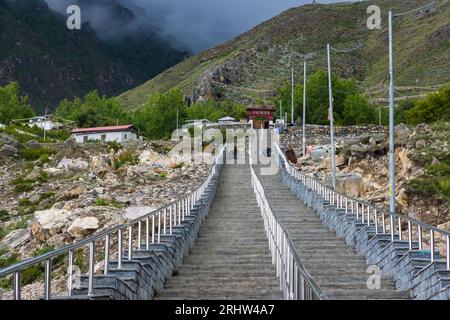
column 415, row 10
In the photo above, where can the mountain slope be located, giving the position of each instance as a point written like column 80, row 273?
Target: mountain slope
column 51, row 63
column 255, row 63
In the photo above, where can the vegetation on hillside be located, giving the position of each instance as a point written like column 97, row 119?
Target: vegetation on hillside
column 12, row 105
column 92, row 110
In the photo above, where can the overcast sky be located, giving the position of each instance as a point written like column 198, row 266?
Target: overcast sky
column 205, row 23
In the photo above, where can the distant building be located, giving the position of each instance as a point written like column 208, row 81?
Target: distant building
column 44, row 122
column 261, row 116
column 226, row 120
column 112, row 133
column 196, row 123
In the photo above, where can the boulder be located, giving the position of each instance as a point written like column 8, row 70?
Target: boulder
column 420, row 144
column 36, row 174
column 132, row 213
column 15, row 238
column 49, row 222
column 55, row 172
column 73, row 164
column 351, row 185
column 340, row 160
column 291, row 156
column 33, row 144
column 319, row 152
column 8, row 150
column 406, row 163
column 402, row 133
column 155, row 159
column 359, row 150
column 83, row 226
column 73, row 193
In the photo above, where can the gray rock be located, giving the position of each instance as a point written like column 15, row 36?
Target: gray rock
column 132, row 213
column 83, row 226
column 16, row 238
column 8, row 150
column 33, row 144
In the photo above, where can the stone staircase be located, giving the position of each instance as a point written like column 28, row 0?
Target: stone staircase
column 230, row 258
column 339, row 271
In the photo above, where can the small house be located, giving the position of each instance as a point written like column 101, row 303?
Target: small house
column 226, row 120
column 112, row 133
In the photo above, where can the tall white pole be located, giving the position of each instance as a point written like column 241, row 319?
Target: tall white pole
column 292, row 96
column 45, row 125
column 331, row 116
column 304, row 109
column 281, row 110
column 391, row 122
column 177, row 124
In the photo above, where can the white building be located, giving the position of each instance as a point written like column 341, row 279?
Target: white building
column 226, row 120
column 113, row 133
column 44, row 123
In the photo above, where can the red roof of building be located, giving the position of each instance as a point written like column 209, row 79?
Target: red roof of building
column 261, row 107
column 104, row 129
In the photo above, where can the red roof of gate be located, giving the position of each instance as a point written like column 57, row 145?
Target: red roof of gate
column 104, row 129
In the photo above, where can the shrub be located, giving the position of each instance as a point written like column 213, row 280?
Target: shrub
column 116, row 146
column 163, row 175
column 35, row 154
column 4, row 215
column 125, row 157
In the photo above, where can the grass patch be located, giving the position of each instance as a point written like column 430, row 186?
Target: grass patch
column 21, row 184
column 163, row 175
column 102, row 202
column 435, row 182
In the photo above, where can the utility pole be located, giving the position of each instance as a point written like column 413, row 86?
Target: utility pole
column 391, row 124
column 304, row 108
column 331, row 116
column 177, row 124
column 281, row 110
column 292, row 96
column 45, row 124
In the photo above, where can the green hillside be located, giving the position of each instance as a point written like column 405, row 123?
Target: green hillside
column 255, row 63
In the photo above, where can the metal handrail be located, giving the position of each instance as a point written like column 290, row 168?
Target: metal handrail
column 371, row 215
column 174, row 212
column 295, row 281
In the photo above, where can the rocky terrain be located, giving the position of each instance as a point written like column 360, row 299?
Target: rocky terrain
column 80, row 190
column 422, row 166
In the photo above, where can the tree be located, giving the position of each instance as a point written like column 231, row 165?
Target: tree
column 317, row 103
column 435, row 107
column 357, row 110
column 93, row 110
column 12, row 105
column 157, row 119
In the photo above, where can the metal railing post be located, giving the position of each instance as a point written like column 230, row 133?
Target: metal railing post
column 91, row 269
column 47, row 279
